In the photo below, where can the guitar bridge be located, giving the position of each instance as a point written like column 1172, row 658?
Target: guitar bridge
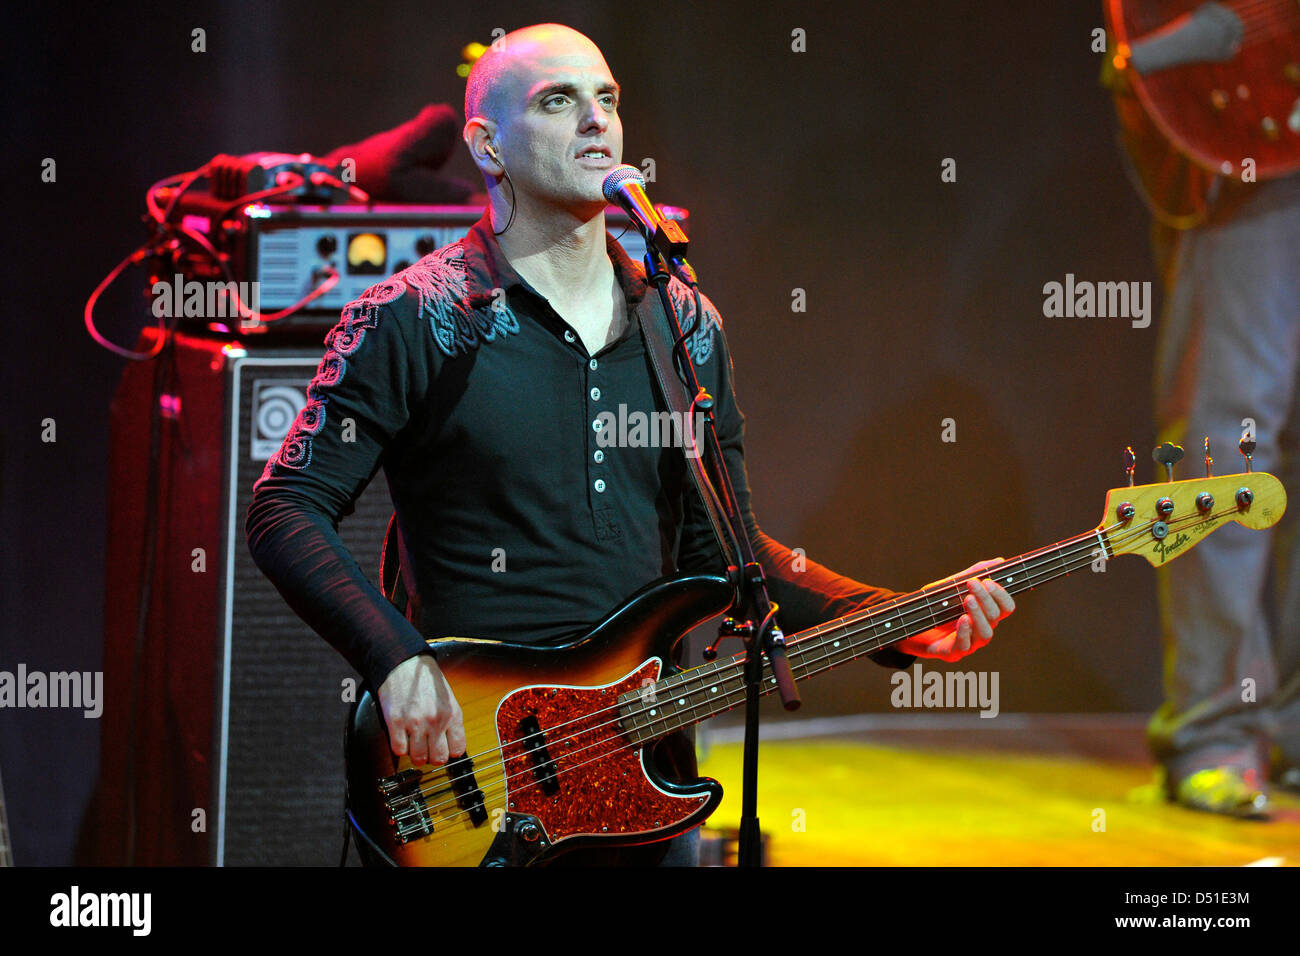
column 404, row 802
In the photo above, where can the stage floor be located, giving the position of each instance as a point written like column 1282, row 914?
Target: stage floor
column 1016, row 790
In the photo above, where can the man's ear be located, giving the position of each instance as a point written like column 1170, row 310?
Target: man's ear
column 479, row 135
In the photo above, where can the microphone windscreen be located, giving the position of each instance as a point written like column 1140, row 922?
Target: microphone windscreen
column 617, row 177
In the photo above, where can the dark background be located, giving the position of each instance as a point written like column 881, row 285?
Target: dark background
column 816, row 170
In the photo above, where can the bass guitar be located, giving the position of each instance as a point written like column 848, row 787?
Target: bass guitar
column 559, row 737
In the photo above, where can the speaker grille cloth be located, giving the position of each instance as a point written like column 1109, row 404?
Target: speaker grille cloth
column 285, row 779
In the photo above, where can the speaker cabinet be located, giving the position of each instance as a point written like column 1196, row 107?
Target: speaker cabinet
column 235, row 751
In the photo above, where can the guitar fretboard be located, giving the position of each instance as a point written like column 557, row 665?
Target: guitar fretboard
column 702, row 692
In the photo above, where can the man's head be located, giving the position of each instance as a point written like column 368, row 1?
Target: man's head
column 542, row 104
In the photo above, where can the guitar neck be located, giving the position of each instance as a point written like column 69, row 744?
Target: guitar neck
column 711, row 689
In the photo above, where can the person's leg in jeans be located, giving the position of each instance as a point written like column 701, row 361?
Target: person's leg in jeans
column 683, row 850
column 1228, row 352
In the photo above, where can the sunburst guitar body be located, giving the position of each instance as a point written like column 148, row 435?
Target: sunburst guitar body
column 559, row 757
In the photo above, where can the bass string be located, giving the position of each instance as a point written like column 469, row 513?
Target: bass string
column 501, row 778
column 1265, row 20
column 683, row 682
column 1266, row 32
column 848, row 620
column 1260, row 11
column 850, row 654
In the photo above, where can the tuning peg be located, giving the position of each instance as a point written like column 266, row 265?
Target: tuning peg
column 1168, row 455
column 1209, row 462
column 1130, row 462
column 1247, row 447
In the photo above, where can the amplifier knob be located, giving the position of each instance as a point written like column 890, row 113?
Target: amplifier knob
column 327, row 245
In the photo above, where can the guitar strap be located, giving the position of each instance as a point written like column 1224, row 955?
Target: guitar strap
column 655, row 329
column 390, row 561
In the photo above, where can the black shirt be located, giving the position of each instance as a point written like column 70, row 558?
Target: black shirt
column 518, row 518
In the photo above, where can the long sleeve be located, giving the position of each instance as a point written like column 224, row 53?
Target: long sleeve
column 359, row 401
column 807, row 597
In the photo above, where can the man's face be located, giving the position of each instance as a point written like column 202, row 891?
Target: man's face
column 559, row 129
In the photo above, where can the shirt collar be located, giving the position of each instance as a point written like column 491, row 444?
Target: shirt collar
column 488, row 268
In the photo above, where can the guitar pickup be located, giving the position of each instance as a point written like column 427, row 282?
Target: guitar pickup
column 534, row 741
column 466, row 788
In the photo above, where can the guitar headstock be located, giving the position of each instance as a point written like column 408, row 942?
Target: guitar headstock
column 1164, row 520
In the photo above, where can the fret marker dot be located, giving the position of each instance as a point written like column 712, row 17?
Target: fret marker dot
column 837, row 644
column 886, row 625
column 681, row 700
column 1010, row 579
column 652, row 711
column 713, row 689
column 945, row 603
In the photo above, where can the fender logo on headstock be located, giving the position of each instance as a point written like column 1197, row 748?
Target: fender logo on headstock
column 1167, row 548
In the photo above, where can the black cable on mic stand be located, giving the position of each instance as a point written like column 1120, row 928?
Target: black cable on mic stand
column 666, row 246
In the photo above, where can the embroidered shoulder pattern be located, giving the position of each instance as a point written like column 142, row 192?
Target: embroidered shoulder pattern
column 441, row 285
column 699, row 343
column 342, row 340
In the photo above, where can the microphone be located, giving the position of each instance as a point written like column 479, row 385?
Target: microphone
column 625, row 188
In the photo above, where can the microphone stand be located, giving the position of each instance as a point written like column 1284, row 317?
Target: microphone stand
column 765, row 638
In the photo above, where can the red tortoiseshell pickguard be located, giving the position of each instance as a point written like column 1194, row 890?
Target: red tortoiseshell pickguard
column 602, row 786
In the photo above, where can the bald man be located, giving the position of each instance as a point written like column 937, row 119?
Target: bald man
column 477, row 378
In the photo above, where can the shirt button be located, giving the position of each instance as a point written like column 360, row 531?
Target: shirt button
column 568, row 336
column 597, row 425
column 592, row 365
column 600, row 484
column 595, row 394
column 599, row 456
